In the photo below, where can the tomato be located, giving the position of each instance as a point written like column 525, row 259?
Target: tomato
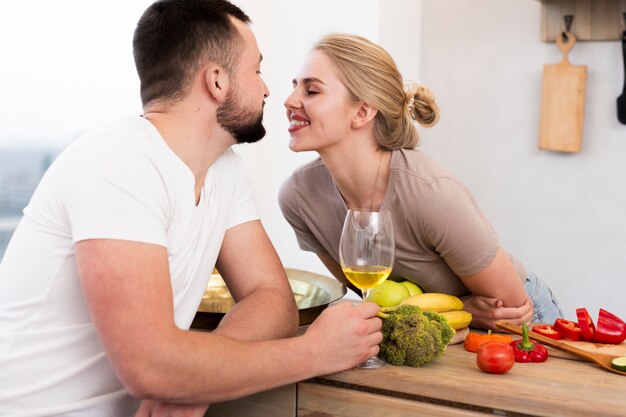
column 495, row 357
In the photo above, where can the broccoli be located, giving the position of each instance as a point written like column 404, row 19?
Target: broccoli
column 412, row 337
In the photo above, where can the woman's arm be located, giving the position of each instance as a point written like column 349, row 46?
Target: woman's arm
column 497, row 294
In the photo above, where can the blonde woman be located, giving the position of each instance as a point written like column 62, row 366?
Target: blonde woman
column 351, row 106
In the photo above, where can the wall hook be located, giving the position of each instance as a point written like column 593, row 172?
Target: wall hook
column 568, row 18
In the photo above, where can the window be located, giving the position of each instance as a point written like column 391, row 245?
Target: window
column 20, row 172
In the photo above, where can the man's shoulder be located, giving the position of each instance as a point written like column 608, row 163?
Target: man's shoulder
column 118, row 134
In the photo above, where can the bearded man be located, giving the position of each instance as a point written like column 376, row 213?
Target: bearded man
column 104, row 274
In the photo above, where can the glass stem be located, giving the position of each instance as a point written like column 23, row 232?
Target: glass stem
column 366, row 294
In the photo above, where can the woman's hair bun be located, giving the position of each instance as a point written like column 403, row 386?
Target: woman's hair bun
column 421, row 105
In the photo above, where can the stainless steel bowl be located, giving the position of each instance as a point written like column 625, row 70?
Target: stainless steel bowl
column 312, row 292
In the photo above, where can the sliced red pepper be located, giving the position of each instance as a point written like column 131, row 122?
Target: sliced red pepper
column 547, row 331
column 585, row 323
column 609, row 328
column 526, row 350
column 568, row 329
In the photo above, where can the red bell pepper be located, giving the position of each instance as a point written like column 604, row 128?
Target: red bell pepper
column 547, row 331
column 568, row 329
column 587, row 329
column 526, row 350
column 609, row 328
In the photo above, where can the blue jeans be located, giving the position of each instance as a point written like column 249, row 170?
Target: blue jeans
column 546, row 308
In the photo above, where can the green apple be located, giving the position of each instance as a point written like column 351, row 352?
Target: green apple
column 412, row 287
column 388, row 294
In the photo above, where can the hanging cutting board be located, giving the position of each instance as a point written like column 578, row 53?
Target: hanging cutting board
column 562, row 102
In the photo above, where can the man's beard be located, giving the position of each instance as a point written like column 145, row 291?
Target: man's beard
column 245, row 126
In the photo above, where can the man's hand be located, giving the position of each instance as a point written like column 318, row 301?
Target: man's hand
column 486, row 311
column 344, row 335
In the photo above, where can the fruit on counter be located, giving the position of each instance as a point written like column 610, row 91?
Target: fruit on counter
column 547, row 331
column 619, row 363
column 526, row 350
column 474, row 340
column 413, row 288
column 457, row 319
column 433, row 301
column 495, row 357
column 412, row 337
column 388, row 294
column 568, row 329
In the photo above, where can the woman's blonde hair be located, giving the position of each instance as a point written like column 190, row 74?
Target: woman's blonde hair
column 370, row 75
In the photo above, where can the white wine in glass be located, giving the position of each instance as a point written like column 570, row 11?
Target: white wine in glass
column 366, row 254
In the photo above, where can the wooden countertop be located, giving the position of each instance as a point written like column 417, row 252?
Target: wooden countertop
column 557, row 387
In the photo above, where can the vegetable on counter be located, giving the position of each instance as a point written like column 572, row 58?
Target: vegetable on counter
column 413, row 337
column 609, row 328
column 568, row 329
column 474, row 340
column 495, row 357
column 585, row 322
column 526, row 350
column 619, row 363
column 547, row 331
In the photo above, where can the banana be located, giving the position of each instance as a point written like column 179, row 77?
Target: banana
column 457, row 319
column 433, row 301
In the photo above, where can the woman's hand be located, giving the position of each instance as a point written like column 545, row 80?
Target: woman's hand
column 151, row 408
column 487, row 310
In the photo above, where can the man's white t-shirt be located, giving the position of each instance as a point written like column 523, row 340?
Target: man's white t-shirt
column 120, row 181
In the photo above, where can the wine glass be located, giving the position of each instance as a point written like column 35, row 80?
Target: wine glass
column 366, row 253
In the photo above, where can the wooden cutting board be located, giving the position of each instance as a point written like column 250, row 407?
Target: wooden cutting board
column 616, row 350
column 562, row 102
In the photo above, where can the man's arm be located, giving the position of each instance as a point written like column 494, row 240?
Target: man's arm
column 250, row 266
column 128, row 291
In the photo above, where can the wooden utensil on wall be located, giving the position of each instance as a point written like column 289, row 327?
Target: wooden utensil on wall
column 562, row 101
column 621, row 100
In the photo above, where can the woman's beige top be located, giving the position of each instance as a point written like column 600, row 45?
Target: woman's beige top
column 439, row 230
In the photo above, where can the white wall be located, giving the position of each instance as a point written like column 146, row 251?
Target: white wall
column 64, row 66
column 560, row 214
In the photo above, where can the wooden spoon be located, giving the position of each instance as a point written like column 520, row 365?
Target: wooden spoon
column 601, row 359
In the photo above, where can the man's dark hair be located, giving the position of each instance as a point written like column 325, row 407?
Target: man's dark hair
column 174, row 37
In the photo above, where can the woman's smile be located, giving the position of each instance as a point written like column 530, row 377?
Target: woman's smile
column 297, row 122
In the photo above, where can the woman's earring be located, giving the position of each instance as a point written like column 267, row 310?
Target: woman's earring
column 354, row 126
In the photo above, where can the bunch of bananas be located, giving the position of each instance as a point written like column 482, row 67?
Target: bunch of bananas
column 449, row 306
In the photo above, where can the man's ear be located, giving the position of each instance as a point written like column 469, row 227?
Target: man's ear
column 364, row 114
column 217, row 82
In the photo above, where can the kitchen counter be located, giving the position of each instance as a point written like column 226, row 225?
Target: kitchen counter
column 452, row 385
